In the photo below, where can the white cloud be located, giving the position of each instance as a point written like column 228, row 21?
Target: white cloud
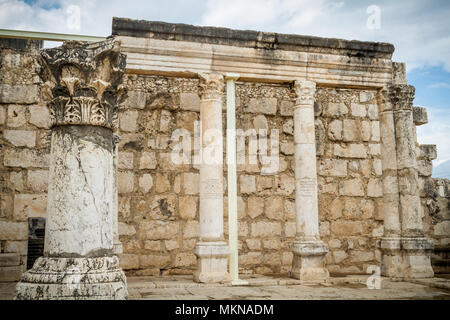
column 419, row 29
column 439, row 85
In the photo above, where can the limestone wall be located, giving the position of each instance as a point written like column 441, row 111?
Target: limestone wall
column 24, row 144
column 158, row 200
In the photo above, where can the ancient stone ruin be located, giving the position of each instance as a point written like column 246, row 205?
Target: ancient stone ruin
column 114, row 156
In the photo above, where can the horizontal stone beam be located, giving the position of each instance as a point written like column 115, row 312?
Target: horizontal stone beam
column 428, row 151
column 420, row 115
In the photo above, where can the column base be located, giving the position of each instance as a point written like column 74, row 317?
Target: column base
column 73, row 279
column 406, row 258
column 212, row 262
column 308, row 262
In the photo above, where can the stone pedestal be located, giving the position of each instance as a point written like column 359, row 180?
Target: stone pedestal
column 309, row 251
column 406, row 252
column 211, row 250
column 79, row 261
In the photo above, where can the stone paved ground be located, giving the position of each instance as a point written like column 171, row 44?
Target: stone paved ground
column 262, row 287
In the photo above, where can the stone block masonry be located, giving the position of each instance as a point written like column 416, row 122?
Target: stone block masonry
column 368, row 184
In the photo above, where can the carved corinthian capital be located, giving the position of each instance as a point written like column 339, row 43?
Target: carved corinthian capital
column 211, row 86
column 401, row 96
column 304, row 91
column 83, row 83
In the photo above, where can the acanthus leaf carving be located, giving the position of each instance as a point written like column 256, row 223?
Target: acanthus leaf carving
column 84, row 83
column 304, row 91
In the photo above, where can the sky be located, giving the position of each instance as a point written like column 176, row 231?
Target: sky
column 419, row 30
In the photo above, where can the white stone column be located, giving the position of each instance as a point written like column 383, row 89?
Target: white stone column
column 211, row 250
column 415, row 247
column 390, row 243
column 309, row 251
column 78, row 261
column 117, row 246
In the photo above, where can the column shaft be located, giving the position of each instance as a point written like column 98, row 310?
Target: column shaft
column 83, row 88
column 405, row 250
column 212, row 251
column 308, row 249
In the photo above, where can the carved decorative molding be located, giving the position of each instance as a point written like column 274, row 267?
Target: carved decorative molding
column 211, row 86
column 401, row 96
column 83, row 83
column 304, row 91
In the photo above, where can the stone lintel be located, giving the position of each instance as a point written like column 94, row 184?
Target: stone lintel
column 247, row 38
column 420, row 115
column 428, row 151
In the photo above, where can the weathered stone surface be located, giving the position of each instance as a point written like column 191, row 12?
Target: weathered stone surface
column 375, row 188
column 336, row 109
column 16, row 116
column 335, row 130
column 26, row 158
column 333, row 168
column 191, row 230
column 2, row 115
column 274, row 208
column 420, row 116
column 346, row 228
column 191, row 183
column 125, row 181
column 442, row 228
column 185, row 260
column 372, row 111
column 366, row 96
column 20, row 138
column 255, row 207
column 264, row 106
column 19, row 93
column 188, row 207
column 152, row 260
column 288, row 127
column 352, row 187
column 247, row 183
column 126, row 160
column 286, row 108
column 128, row 120
column 156, row 230
column 38, row 180
column 13, row 230
column 40, row 116
column 129, row 261
column 29, row 206
column 352, row 150
column 148, row 161
column 18, row 247
column 135, row 99
column 265, row 229
column 358, row 110
column 190, row 101
column 350, row 130
column 10, row 274
column 428, row 151
column 361, row 256
column 126, row 229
